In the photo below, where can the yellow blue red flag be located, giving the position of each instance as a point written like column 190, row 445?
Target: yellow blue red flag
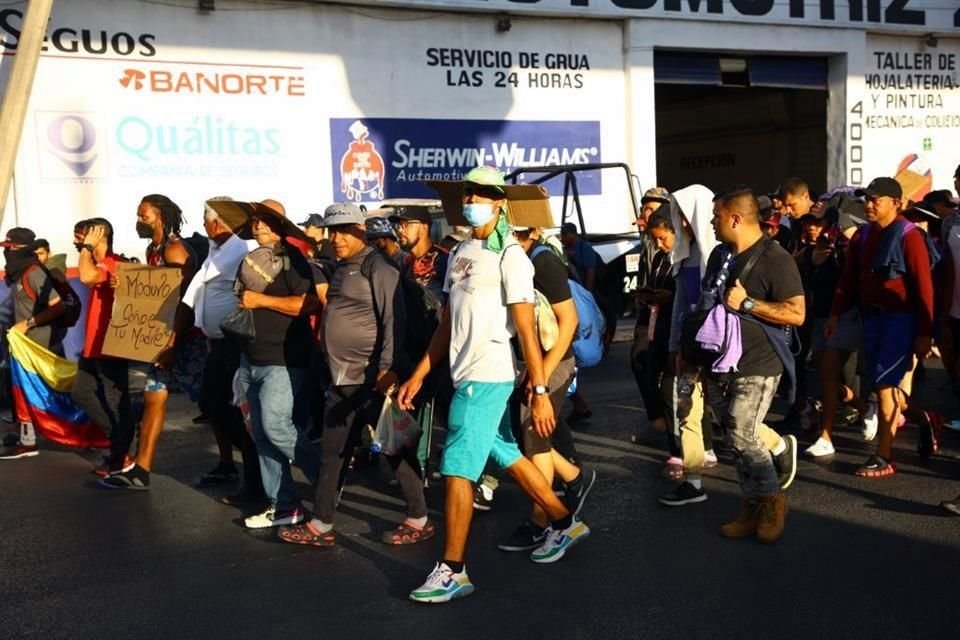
column 41, row 391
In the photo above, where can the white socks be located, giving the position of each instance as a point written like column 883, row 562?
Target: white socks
column 780, row 448
column 320, row 526
column 417, row 522
column 696, row 482
column 28, row 437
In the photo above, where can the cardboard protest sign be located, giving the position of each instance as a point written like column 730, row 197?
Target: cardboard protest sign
column 144, row 306
column 527, row 204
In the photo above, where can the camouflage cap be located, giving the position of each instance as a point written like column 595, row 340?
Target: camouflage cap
column 378, row 227
column 658, row 194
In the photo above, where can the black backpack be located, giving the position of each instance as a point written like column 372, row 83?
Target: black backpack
column 421, row 312
column 69, row 297
column 199, row 246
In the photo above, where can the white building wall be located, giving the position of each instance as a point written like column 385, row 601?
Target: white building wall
column 120, row 78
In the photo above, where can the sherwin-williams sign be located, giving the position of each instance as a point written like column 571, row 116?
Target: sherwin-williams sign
column 378, row 158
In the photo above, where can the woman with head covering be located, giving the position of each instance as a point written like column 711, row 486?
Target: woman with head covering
column 691, row 212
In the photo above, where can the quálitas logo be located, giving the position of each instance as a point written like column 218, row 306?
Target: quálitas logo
column 134, row 78
column 362, row 172
column 73, row 140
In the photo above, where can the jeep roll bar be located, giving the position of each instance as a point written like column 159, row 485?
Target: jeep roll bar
column 571, row 192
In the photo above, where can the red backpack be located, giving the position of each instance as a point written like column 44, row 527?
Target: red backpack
column 69, row 297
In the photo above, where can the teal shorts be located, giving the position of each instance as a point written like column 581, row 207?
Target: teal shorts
column 479, row 427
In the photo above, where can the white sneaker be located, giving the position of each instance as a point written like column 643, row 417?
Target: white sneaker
column 558, row 542
column 443, row 585
column 270, row 517
column 870, row 421
column 820, row 448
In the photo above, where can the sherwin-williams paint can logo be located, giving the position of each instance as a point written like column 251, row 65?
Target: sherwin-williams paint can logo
column 361, row 167
column 391, row 157
column 73, row 146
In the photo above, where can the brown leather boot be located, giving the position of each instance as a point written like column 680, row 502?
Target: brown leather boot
column 746, row 523
column 772, row 515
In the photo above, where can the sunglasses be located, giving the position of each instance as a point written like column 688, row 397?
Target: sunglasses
column 491, row 193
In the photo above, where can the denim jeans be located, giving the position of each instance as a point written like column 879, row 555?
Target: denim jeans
column 742, row 404
column 273, row 393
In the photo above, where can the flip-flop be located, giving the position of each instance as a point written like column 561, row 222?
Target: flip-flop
column 876, row 467
column 306, row 534
column 930, row 427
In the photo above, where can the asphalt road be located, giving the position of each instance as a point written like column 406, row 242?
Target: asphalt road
column 860, row 558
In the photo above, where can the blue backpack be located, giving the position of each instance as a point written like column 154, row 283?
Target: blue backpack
column 934, row 254
column 588, row 341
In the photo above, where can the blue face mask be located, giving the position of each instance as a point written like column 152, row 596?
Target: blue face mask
column 477, row 214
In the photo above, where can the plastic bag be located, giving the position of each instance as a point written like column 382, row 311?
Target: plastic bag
column 396, row 430
column 239, row 324
column 548, row 329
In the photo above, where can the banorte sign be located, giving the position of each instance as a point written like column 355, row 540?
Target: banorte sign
column 232, row 82
column 67, row 39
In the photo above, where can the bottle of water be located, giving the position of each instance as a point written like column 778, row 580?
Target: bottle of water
column 375, row 445
column 685, row 386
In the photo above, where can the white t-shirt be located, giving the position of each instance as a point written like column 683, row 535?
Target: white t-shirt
column 953, row 246
column 480, row 284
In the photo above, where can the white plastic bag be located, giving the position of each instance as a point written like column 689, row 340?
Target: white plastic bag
column 396, row 430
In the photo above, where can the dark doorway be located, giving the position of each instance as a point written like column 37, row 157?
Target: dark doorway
column 721, row 135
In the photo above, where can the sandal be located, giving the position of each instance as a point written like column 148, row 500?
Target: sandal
column 673, row 469
column 930, row 427
column 306, row 534
column 407, row 533
column 876, row 467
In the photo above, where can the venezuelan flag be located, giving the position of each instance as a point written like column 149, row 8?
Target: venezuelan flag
column 41, row 390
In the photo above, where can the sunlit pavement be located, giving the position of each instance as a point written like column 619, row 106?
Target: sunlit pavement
column 859, row 558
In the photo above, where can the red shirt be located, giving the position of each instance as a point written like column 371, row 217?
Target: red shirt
column 99, row 309
column 911, row 293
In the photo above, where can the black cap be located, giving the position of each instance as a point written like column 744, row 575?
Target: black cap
column 313, row 220
column 18, row 237
column 941, row 197
column 412, row 212
column 568, row 227
column 882, row 187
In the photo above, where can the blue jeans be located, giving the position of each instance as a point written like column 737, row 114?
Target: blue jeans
column 741, row 404
column 273, row 393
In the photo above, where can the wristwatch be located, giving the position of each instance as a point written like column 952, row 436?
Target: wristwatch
column 748, row 305
column 31, row 322
column 87, row 246
column 540, row 389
